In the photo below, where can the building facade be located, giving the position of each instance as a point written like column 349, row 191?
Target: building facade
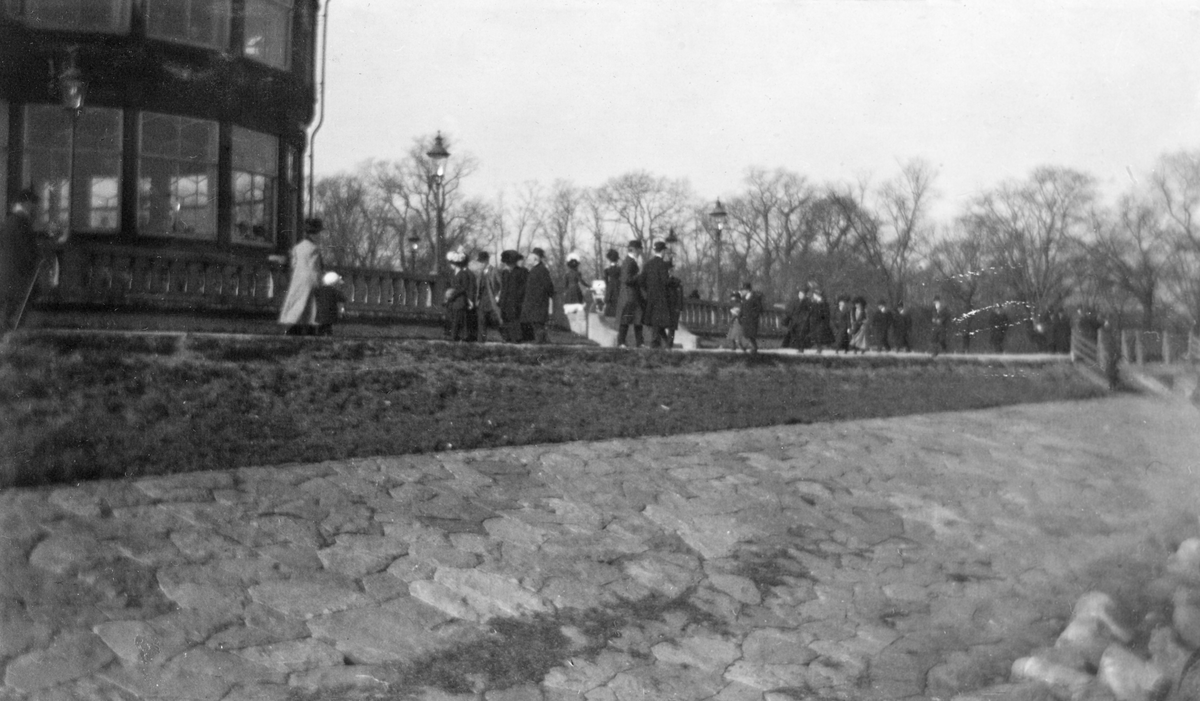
column 167, row 136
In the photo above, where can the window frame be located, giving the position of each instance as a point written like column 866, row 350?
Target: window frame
column 209, row 189
column 286, row 9
column 268, row 170
column 120, row 10
column 224, row 40
column 79, row 213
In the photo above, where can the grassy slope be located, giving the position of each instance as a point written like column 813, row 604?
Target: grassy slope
column 87, row 406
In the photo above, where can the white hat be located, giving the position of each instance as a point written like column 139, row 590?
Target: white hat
column 456, row 257
column 573, row 256
column 331, row 278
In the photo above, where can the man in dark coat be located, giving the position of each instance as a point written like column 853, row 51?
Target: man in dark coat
column 752, row 309
column 901, row 328
column 629, row 299
column 19, row 257
column 513, row 279
column 842, row 318
column 879, row 326
column 939, row 341
column 461, row 297
column 653, row 283
column 819, row 329
column 797, row 317
column 539, row 291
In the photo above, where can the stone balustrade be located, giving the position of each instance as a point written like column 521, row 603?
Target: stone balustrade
column 706, row 318
column 128, row 278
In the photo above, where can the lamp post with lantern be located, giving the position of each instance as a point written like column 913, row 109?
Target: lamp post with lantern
column 437, row 185
column 718, row 216
column 71, row 92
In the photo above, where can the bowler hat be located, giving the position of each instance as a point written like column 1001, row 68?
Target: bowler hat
column 635, row 245
column 659, row 246
column 538, row 252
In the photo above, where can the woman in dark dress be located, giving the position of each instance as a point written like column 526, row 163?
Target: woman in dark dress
column 460, row 306
column 612, row 283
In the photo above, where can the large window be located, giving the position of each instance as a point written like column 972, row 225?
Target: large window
column 177, row 177
column 74, row 164
column 202, row 22
column 255, row 184
column 73, row 15
column 269, row 32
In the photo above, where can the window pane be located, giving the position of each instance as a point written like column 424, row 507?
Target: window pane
column 177, row 177
column 255, row 182
column 81, row 184
column 203, row 22
column 77, row 15
column 269, row 31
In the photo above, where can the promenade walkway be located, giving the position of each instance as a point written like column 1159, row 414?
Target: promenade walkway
column 901, row 558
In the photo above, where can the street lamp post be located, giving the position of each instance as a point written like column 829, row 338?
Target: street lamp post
column 71, row 91
column 718, row 216
column 414, row 242
column 437, row 184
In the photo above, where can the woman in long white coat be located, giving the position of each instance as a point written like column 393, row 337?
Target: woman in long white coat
column 298, row 312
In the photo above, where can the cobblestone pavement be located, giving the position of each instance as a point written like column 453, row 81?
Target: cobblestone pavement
column 901, row 558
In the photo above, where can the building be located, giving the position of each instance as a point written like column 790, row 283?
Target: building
column 167, row 136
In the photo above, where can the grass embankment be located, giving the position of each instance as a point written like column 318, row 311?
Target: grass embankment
column 86, row 406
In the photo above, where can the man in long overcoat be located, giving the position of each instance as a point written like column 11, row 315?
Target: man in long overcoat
column 879, row 327
column 513, row 279
column 820, row 331
column 539, row 291
column 653, row 282
column 843, row 317
column 797, row 317
column 752, row 309
column 487, row 285
column 629, row 299
column 18, row 257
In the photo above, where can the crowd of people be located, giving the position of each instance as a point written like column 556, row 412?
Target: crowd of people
column 516, row 299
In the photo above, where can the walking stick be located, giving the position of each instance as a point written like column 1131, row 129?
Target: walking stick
column 28, row 293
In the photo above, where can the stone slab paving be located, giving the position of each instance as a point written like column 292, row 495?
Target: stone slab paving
column 902, row 558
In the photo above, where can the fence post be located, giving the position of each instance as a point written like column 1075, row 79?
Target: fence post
column 1101, row 351
column 1125, row 349
column 1074, row 355
column 1140, row 348
column 1166, row 347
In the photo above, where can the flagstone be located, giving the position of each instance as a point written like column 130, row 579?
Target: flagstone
column 303, row 597
column 68, row 657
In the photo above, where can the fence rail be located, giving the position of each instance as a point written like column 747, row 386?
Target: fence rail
column 129, row 278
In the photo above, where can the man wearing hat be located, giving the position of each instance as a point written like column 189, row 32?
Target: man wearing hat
column 460, row 299
column 653, row 283
column 299, row 312
column 513, row 279
column 487, row 282
column 629, row 300
column 19, row 258
column 539, row 295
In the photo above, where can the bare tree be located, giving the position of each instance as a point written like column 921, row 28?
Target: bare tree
column 649, row 206
column 561, row 220
column 1130, row 252
column 520, row 219
column 1176, row 187
column 770, row 218
column 1031, row 230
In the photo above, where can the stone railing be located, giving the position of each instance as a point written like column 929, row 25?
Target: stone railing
column 132, row 279
column 705, row 318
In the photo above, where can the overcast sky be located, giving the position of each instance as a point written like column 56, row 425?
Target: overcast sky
column 702, row 89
